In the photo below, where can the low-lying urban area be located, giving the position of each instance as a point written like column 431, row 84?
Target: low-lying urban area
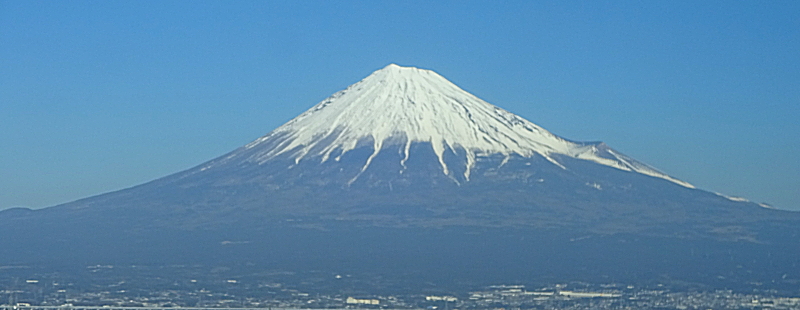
column 223, row 289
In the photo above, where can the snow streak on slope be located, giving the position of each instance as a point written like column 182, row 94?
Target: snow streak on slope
column 401, row 105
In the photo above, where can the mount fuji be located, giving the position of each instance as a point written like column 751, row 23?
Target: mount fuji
column 405, row 173
column 397, row 107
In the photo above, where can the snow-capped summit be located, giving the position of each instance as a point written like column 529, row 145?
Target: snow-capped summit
column 398, row 106
column 404, row 173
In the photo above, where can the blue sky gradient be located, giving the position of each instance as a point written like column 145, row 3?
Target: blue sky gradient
column 97, row 96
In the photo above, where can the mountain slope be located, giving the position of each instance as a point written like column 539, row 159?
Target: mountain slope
column 410, row 139
column 398, row 106
column 408, row 166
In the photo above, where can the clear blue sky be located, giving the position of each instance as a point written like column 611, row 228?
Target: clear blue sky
column 101, row 95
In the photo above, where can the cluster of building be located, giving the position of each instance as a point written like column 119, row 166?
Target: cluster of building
column 610, row 296
column 303, row 293
column 356, row 301
column 495, row 297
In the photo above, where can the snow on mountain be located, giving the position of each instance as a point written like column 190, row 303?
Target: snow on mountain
column 732, row 198
column 403, row 105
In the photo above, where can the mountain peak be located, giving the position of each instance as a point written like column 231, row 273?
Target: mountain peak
column 397, row 106
column 398, row 71
column 396, row 67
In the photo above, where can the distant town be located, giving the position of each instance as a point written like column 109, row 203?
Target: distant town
column 124, row 291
